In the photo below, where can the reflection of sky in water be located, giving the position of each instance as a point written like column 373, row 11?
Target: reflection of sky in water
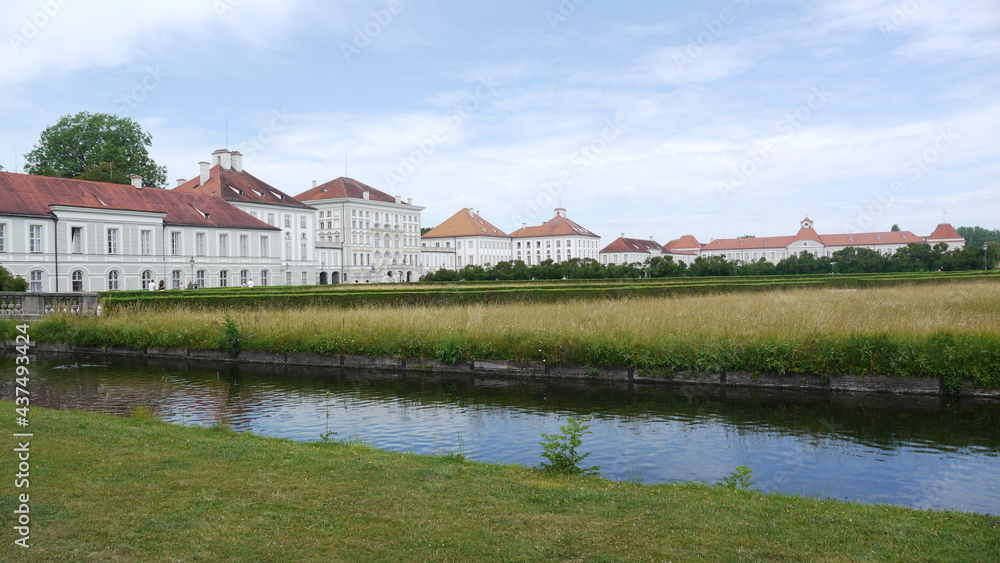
column 696, row 439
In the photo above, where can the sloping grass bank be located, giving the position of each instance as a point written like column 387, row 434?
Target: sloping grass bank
column 135, row 489
column 944, row 330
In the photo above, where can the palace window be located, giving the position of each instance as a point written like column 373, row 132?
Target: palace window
column 77, row 279
column 113, row 280
column 76, row 243
column 146, row 242
column 35, row 280
column 113, row 241
column 35, row 239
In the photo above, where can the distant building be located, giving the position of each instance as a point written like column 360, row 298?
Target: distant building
column 775, row 249
column 364, row 235
column 464, row 239
column 625, row 250
column 559, row 239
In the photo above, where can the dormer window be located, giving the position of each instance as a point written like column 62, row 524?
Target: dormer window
column 238, row 192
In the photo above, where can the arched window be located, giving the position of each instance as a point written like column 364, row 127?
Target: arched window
column 223, row 278
column 147, row 276
column 113, row 284
column 200, row 278
column 77, row 279
column 265, row 277
column 244, row 277
column 175, row 279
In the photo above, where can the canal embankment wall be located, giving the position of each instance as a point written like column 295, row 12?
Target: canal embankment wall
column 525, row 370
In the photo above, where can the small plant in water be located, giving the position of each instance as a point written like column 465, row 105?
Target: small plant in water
column 560, row 449
column 231, row 333
column 740, row 479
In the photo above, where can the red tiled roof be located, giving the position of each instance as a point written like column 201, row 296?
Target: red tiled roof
column 344, row 187
column 23, row 194
column 945, row 231
column 847, row 239
column 867, row 239
column 753, row 243
column 241, row 187
column 622, row 244
column 465, row 223
column 558, row 226
column 686, row 242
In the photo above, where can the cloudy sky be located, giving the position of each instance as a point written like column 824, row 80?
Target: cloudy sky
column 651, row 118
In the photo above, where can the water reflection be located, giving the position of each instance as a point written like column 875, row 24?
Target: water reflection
column 915, row 451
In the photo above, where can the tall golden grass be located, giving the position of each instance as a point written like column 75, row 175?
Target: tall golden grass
column 769, row 330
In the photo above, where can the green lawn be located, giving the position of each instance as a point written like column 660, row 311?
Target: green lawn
column 134, row 489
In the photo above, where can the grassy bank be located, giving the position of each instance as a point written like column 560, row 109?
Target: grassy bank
column 135, row 489
column 944, row 330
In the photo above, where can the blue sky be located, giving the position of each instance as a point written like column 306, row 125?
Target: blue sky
column 715, row 118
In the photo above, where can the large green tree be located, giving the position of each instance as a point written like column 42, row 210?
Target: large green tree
column 95, row 146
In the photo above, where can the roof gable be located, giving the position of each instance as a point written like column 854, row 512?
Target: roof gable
column 344, row 188
column 557, row 226
column 239, row 187
column 23, row 194
column 622, row 244
column 465, row 223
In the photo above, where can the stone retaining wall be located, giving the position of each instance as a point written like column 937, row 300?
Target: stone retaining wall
column 528, row 370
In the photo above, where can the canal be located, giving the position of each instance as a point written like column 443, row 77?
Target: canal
column 922, row 452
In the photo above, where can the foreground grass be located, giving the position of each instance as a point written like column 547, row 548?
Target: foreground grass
column 130, row 489
column 949, row 330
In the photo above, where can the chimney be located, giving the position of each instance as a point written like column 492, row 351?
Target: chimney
column 366, row 194
column 314, row 183
column 651, row 237
column 237, row 161
column 469, row 210
column 180, row 181
column 205, row 168
column 623, row 235
column 222, row 158
column 409, row 201
column 524, row 225
column 399, row 199
column 560, row 212
column 137, row 181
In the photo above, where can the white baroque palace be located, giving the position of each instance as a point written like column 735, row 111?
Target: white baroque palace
column 775, row 248
column 466, row 239
column 226, row 227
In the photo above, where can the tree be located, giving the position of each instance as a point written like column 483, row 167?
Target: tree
column 853, row 260
column 425, row 230
column 976, row 236
column 895, row 227
column 8, row 282
column 95, row 146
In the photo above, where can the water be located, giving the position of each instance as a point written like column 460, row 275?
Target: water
column 916, row 451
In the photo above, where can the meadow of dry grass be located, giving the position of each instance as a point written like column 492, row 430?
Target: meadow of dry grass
column 719, row 331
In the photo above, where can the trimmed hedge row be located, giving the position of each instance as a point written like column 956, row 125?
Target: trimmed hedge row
column 503, row 292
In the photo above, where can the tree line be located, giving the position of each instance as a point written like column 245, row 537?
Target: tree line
column 914, row 257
